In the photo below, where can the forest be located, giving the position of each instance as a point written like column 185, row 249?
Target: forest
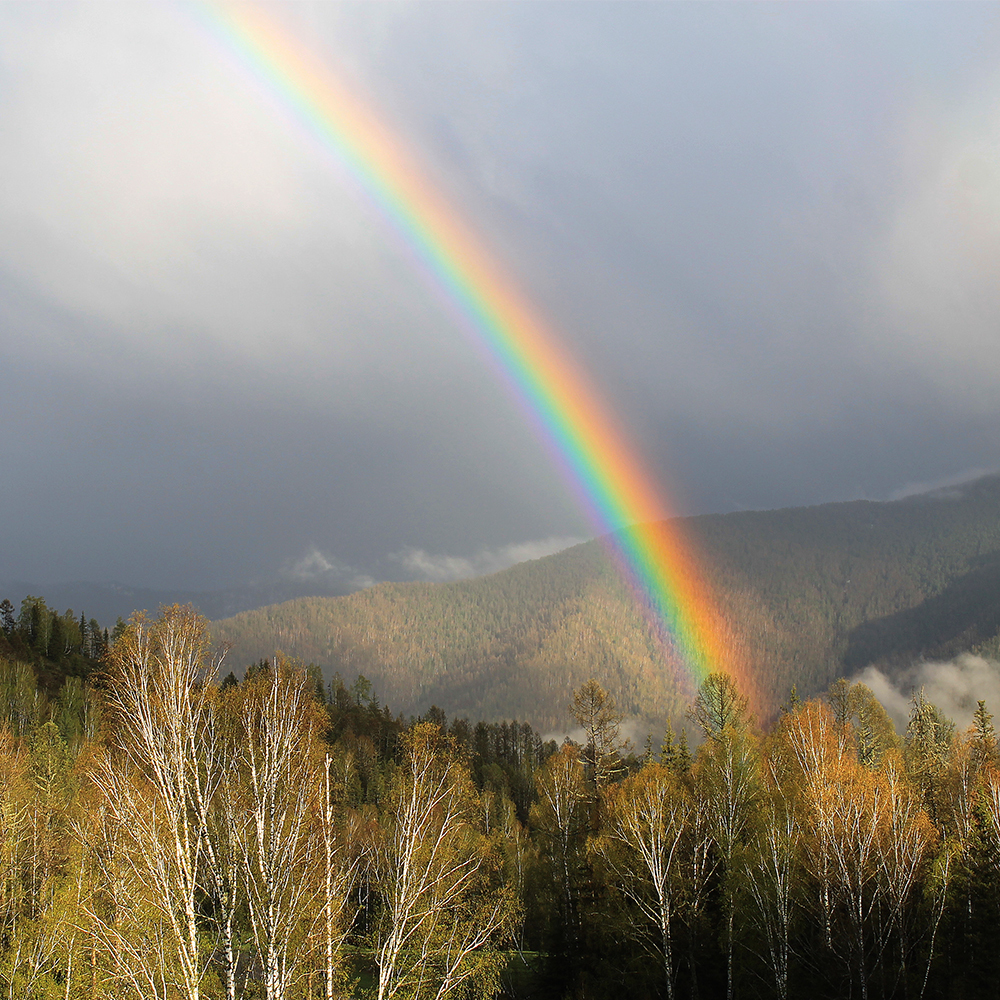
column 170, row 832
column 811, row 594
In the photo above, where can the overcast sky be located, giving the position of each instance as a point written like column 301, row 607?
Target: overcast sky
column 770, row 233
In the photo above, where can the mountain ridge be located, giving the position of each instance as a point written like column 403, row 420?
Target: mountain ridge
column 813, row 593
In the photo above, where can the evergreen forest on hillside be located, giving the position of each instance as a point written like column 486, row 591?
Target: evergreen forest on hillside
column 170, row 832
column 812, row 594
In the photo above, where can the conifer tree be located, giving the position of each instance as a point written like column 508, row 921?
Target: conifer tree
column 7, row 620
column 984, row 735
column 719, row 705
column 927, row 747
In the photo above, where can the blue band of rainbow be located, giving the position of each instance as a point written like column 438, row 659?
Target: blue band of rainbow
column 610, row 482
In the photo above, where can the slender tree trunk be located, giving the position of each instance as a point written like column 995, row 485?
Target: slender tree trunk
column 229, row 961
column 69, row 968
column 729, row 951
column 328, row 925
column 570, row 920
column 668, row 958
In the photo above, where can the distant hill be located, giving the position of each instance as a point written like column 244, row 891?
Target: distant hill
column 107, row 602
column 813, row 593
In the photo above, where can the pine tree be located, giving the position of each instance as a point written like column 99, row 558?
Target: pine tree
column 927, row 747
column 793, row 701
column 984, row 735
column 595, row 710
column 719, row 705
column 84, row 649
column 668, row 749
column 7, row 620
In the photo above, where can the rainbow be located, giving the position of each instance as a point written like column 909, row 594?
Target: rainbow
column 610, row 481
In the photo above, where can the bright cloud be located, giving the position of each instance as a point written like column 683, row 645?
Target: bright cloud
column 314, row 565
column 955, row 686
column 439, row 568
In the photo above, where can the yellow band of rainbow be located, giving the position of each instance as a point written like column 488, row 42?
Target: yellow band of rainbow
column 610, row 481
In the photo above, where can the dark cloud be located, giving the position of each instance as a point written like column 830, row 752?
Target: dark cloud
column 770, row 232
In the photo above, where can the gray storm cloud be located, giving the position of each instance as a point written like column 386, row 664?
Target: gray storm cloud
column 938, row 264
column 768, row 232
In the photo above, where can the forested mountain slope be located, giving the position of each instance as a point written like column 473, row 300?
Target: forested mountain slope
column 813, row 593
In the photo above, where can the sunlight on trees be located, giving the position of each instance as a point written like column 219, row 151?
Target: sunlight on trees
column 597, row 714
column 164, row 837
column 647, row 817
column 444, row 908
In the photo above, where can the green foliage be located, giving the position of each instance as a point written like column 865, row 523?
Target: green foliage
column 55, row 646
column 719, row 706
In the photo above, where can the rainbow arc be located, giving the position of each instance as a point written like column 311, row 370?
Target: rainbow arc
column 611, row 482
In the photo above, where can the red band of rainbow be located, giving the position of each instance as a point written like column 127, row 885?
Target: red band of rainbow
column 611, row 483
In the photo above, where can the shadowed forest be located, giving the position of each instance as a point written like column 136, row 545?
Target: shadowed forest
column 169, row 834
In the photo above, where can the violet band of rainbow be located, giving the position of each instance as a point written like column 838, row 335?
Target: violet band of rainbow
column 612, row 485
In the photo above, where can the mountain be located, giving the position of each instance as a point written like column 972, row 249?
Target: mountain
column 812, row 593
column 107, row 602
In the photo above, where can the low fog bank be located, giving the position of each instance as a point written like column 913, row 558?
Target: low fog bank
column 954, row 686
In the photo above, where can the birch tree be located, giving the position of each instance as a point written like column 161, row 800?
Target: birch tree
column 773, row 876
column 15, row 823
column 224, row 875
column 646, row 820
column 342, row 848
column 160, row 775
column 904, row 852
column 133, row 943
column 444, row 905
column 15, row 849
column 809, row 738
column 860, row 826
column 280, row 844
column 727, row 774
column 558, row 816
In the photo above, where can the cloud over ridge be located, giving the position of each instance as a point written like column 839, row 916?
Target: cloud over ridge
column 441, row 568
column 954, row 686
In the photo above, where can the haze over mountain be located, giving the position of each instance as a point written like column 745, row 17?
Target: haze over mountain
column 109, row 601
column 813, row 593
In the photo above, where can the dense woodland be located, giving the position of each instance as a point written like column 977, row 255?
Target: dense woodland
column 169, row 832
column 813, row 594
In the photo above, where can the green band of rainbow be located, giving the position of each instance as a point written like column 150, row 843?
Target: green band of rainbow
column 611, row 483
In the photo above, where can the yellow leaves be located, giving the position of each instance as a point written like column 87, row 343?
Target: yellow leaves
column 444, row 902
column 561, row 788
column 865, row 825
column 647, row 814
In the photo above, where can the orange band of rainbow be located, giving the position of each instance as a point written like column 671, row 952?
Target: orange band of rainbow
column 611, row 483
